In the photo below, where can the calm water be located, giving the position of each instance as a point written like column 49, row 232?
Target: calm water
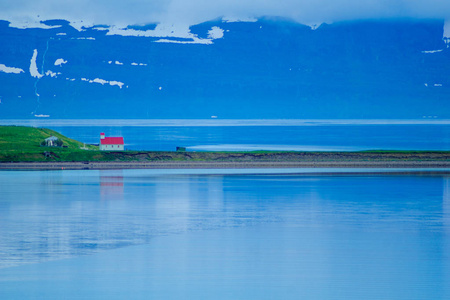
column 153, row 234
column 244, row 138
column 233, row 135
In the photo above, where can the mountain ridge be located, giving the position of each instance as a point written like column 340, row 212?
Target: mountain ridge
column 270, row 68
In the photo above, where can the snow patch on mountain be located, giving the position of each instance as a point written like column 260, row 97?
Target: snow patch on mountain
column 215, row 33
column 432, row 51
column 81, row 25
column 170, row 34
column 5, row 69
column 234, row 19
column 446, row 36
column 314, row 26
column 86, row 38
column 33, row 67
column 98, row 80
column 52, row 74
column 60, row 62
column 103, row 82
column 100, row 28
column 194, row 41
column 118, row 83
column 30, row 24
column 161, row 30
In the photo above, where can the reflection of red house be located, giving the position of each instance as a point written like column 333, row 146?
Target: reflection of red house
column 111, row 184
column 111, row 143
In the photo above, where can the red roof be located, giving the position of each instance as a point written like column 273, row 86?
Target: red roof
column 112, row 141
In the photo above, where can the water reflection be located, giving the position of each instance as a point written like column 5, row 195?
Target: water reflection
column 446, row 202
column 111, row 184
column 446, row 233
column 59, row 214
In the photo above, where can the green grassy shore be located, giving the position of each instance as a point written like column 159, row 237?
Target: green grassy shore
column 23, row 144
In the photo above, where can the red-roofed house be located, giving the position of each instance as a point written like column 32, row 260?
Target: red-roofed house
column 111, row 143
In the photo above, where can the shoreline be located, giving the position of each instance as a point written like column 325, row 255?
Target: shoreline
column 417, row 165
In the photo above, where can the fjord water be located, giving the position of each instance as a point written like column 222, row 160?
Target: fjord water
column 286, row 138
column 247, row 135
column 203, row 234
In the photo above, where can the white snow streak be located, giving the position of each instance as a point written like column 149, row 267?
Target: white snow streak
column 446, row 36
column 102, row 81
column 13, row 70
column 215, row 33
column 314, row 26
column 447, row 29
column 52, row 74
column 233, row 19
column 33, row 67
column 194, row 41
column 169, row 33
column 81, row 25
column 98, row 80
column 33, row 24
column 118, row 83
column 432, row 51
column 99, row 28
column 60, row 62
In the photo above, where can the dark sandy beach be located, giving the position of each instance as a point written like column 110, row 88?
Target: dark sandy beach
column 219, row 165
column 244, row 160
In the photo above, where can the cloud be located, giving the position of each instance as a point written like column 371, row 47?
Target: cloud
column 123, row 13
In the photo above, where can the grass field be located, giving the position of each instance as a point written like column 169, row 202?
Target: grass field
column 23, row 144
column 20, row 143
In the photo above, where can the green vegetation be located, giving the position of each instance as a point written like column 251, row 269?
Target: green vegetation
column 19, row 143
column 23, row 144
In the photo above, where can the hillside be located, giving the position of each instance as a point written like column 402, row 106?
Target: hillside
column 268, row 69
column 23, row 144
column 20, row 143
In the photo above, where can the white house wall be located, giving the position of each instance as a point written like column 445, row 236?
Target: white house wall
column 111, row 147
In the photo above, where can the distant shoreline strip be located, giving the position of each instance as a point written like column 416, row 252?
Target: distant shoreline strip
column 45, row 122
column 390, row 166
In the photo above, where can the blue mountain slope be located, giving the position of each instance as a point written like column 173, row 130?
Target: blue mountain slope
column 266, row 69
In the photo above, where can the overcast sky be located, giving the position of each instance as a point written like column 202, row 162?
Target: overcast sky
column 127, row 12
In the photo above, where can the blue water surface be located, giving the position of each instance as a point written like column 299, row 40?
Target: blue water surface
column 288, row 138
column 189, row 234
column 250, row 135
